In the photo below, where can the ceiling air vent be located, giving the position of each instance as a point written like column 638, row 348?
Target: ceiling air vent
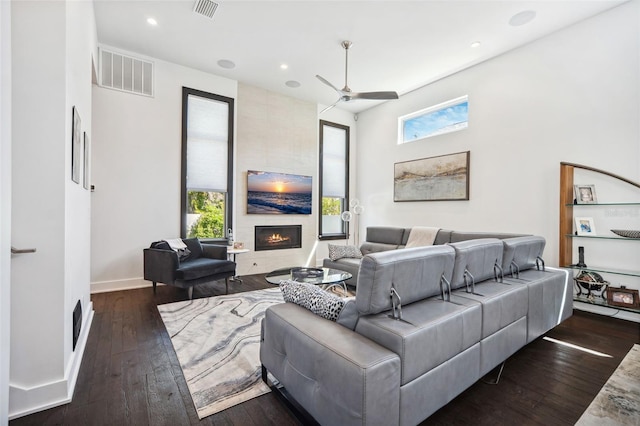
column 205, row 7
column 126, row 73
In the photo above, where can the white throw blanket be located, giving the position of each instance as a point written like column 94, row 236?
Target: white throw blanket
column 176, row 244
column 422, row 236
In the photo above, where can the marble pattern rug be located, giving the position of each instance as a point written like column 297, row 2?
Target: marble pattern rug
column 217, row 341
column 618, row 402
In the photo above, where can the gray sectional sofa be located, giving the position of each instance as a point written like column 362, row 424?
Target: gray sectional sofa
column 429, row 322
column 384, row 238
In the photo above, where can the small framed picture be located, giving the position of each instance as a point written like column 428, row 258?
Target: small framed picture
column 585, row 194
column 623, row 297
column 585, row 226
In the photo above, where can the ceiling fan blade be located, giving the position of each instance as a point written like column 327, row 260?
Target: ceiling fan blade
column 325, row 81
column 374, row 95
column 331, row 106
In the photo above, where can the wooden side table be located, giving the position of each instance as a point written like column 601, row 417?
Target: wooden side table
column 231, row 254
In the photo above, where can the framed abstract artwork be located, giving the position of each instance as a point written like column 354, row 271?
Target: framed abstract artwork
column 441, row 178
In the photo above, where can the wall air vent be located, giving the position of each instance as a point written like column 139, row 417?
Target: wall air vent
column 205, row 7
column 126, row 73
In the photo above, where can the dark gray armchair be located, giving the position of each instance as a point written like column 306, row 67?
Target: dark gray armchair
column 203, row 263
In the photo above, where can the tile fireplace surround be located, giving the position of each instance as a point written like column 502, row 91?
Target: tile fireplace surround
column 278, row 237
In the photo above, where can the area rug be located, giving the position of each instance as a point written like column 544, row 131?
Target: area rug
column 217, row 342
column 618, row 402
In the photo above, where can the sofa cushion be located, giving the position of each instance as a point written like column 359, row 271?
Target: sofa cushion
column 414, row 273
column 502, row 304
column 345, row 264
column 431, row 332
column 339, row 252
column 202, row 267
column 477, row 258
column 521, row 253
column 313, row 298
column 370, row 247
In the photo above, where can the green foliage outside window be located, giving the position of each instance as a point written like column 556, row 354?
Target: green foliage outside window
column 210, row 207
column 331, row 206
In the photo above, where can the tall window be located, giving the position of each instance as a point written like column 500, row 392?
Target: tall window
column 334, row 180
column 207, row 164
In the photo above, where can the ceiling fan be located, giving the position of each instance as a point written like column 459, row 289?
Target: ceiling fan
column 345, row 94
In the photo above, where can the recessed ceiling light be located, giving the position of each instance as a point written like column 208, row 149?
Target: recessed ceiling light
column 522, row 18
column 292, row 83
column 152, row 21
column 225, row 63
column 475, row 44
column 284, row 66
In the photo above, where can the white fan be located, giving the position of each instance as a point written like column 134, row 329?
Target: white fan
column 345, row 94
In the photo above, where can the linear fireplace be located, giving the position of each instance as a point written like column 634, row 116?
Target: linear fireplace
column 278, row 237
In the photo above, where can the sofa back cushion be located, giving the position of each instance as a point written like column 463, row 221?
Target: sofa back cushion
column 414, row 273
column 478, row 257
column 523, row 252
column 385, row 235
column 457, row 236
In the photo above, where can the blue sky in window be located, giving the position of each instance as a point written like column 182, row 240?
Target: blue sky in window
column 454, row 117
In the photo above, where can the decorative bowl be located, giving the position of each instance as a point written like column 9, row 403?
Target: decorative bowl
column 627, row 233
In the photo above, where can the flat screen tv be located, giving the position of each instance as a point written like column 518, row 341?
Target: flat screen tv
column 278, row 193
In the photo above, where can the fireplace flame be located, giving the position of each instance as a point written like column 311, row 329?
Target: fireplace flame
column 277, row 238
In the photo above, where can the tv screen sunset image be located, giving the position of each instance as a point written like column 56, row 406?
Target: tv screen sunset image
column 278, row 193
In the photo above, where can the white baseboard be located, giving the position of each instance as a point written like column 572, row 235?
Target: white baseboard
column 24, row 401
column 116, row 285
column 606, row 311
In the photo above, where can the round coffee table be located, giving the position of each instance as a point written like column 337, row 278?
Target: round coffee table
column 325, row 277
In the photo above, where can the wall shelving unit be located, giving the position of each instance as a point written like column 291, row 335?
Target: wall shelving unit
column 567, row 235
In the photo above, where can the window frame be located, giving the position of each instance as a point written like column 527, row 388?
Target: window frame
column 228, row 214
column 345, row 228
column 427, row 111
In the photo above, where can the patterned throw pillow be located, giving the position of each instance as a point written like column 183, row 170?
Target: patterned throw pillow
column 338, row 252
column 313, row 298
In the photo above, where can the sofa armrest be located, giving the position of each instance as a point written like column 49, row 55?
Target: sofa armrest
column 160, row 265
column 214, row 251
column 338, row 376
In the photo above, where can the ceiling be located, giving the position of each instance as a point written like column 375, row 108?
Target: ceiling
column 397, row 45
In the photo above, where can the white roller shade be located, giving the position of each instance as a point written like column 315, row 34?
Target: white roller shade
column 334, row 162
column 207, row 136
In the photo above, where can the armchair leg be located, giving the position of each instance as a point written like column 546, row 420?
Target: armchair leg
column 226, row 284
column 154, row 287
column 190, row 292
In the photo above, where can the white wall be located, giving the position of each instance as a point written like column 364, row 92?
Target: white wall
column 136, row 155
column 5, row 206
column 571, row 96
column 136, row 170
column 51, row 71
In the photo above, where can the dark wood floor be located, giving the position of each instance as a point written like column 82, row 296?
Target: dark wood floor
column 130, row 374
